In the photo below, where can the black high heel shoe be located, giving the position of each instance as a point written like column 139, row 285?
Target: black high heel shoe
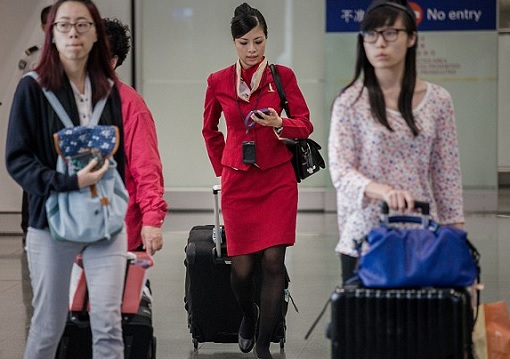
column 264, row 355
column 246, row 345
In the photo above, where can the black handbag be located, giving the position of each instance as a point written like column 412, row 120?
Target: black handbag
column 306, row 156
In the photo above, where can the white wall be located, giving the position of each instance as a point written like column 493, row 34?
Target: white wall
column 503, row 102
column 183, row 41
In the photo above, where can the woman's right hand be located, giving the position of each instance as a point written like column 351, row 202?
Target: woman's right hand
column 396, row 199
column 87, row 176
column 399, row 200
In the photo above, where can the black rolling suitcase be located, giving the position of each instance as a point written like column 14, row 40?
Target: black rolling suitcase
column 401, row 323
column 137, row 329
column 213, row 312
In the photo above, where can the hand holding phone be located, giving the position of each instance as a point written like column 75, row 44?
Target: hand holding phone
column 80, row 160
column 250, row 123
column 265, row 111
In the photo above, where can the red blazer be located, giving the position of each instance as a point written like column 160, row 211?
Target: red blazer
column 270, row 150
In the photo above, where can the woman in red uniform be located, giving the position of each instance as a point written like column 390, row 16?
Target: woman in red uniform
column 259, row 188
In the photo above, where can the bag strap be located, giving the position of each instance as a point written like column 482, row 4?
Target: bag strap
column 280, row 89
column 61, row 112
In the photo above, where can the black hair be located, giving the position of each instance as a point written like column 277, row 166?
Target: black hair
column 118, row 38
column 245, row 19
column 44, row 14
column 402, row 5
column 383, row 13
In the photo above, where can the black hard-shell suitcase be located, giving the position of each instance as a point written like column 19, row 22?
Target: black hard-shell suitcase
column 401, row 323
column 213, row 312
column 137, row 331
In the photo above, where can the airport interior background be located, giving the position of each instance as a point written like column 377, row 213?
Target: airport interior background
column 176, row 44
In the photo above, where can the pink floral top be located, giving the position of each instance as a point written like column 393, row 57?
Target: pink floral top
column 362, row 150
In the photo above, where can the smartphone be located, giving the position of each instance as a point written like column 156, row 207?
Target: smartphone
column 249, row 152
column 265, row 111
column 82, row 159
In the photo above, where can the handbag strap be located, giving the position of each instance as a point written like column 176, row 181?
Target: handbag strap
column 61, row 112
column 280, row 89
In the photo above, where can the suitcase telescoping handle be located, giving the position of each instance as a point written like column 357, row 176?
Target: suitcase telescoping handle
column 217, row 230
column 424, row 219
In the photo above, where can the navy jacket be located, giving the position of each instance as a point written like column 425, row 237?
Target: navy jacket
column 30, row 154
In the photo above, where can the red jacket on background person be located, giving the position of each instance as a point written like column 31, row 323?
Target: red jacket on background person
column 221, row 96
column 143, row 170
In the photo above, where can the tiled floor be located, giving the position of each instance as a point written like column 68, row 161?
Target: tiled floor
column 312, row 264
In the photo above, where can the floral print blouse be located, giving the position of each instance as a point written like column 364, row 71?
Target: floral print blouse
column 361, row 151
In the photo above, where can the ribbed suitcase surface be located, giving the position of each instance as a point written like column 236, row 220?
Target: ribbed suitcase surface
column 400, row 323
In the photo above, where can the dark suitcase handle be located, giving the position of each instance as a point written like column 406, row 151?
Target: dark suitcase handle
column 424, row 219
column 423, row 206
column 218, row 236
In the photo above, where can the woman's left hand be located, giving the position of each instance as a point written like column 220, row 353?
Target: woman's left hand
column 272, row 119
column 152, row 238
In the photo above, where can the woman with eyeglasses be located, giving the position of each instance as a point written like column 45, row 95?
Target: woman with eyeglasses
column 393, row 136
column 75, row 66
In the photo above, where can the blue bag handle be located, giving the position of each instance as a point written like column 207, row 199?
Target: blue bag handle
column 432, row 225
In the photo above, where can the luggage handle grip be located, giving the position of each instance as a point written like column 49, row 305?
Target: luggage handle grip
column 423, row 206
column 217, row 232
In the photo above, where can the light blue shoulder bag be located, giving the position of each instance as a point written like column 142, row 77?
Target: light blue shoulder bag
column 92, row 213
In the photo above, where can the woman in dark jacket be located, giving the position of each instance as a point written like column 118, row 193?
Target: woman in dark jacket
column 75, row 65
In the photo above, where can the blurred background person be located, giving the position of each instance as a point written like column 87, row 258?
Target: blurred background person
column 26, row 64
column 144, row 172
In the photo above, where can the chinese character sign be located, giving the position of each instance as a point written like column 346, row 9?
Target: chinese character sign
column 431, row 15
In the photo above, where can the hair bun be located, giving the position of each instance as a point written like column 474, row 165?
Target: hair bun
column 243, row 9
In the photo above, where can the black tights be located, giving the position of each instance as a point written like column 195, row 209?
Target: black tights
column 271, row 292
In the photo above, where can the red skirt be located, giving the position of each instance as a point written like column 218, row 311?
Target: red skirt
column 259, row 208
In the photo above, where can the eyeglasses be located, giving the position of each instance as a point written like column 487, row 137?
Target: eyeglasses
column 389, row 35
column 80, row 26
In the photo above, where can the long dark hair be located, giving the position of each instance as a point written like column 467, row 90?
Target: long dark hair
column 245, row 19
column 50, row 69
column 379, row 14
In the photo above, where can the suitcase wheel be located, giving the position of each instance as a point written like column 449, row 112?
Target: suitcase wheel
column 282, row 343
column 195, row 343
